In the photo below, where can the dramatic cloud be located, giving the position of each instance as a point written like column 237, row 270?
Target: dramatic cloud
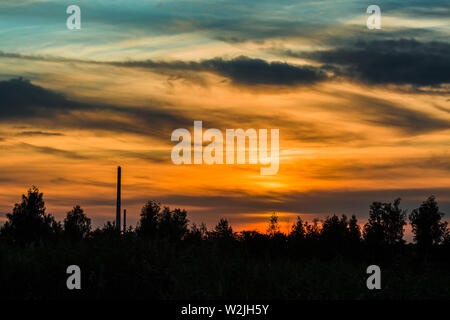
column 391, row 62
column 399, row 62
column 23, row 101
column 242, row 70
column 257, row 71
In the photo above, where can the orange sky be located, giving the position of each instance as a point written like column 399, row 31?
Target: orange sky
column 344, row 142
column 327, row 142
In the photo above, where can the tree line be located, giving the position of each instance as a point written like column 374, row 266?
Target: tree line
column 29, row 224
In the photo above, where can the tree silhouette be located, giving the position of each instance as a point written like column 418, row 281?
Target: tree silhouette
column 157, row 223
column 148, row 223
column 335, row 229
column 340, row 234
column 426, row 224
column 107, row 232
column 385, row 224
column 354, row 230
column 197, row 233
column 446, row 238
column 172, row 224
column 335, row 233
column 274, row 227
column 312, row 230
column 298, row 231
column 77, row 225
column 223, row 230
column 28, row 223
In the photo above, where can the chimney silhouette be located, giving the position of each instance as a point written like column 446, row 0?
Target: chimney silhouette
column 118, row 199
column 124, row 220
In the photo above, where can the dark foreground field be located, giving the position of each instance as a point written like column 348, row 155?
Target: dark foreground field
column 129, row 268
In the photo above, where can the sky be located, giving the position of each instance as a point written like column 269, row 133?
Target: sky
column 363, row 115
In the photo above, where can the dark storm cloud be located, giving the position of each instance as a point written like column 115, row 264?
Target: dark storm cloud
column 243, row 70
column 400, row 62
column 257, row 71
column 24, row 102
column 20, row 98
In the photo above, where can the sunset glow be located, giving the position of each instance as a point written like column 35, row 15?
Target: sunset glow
column 111, row 94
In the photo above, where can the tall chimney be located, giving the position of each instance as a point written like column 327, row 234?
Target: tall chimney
column 118, row 211
column 124, row 220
